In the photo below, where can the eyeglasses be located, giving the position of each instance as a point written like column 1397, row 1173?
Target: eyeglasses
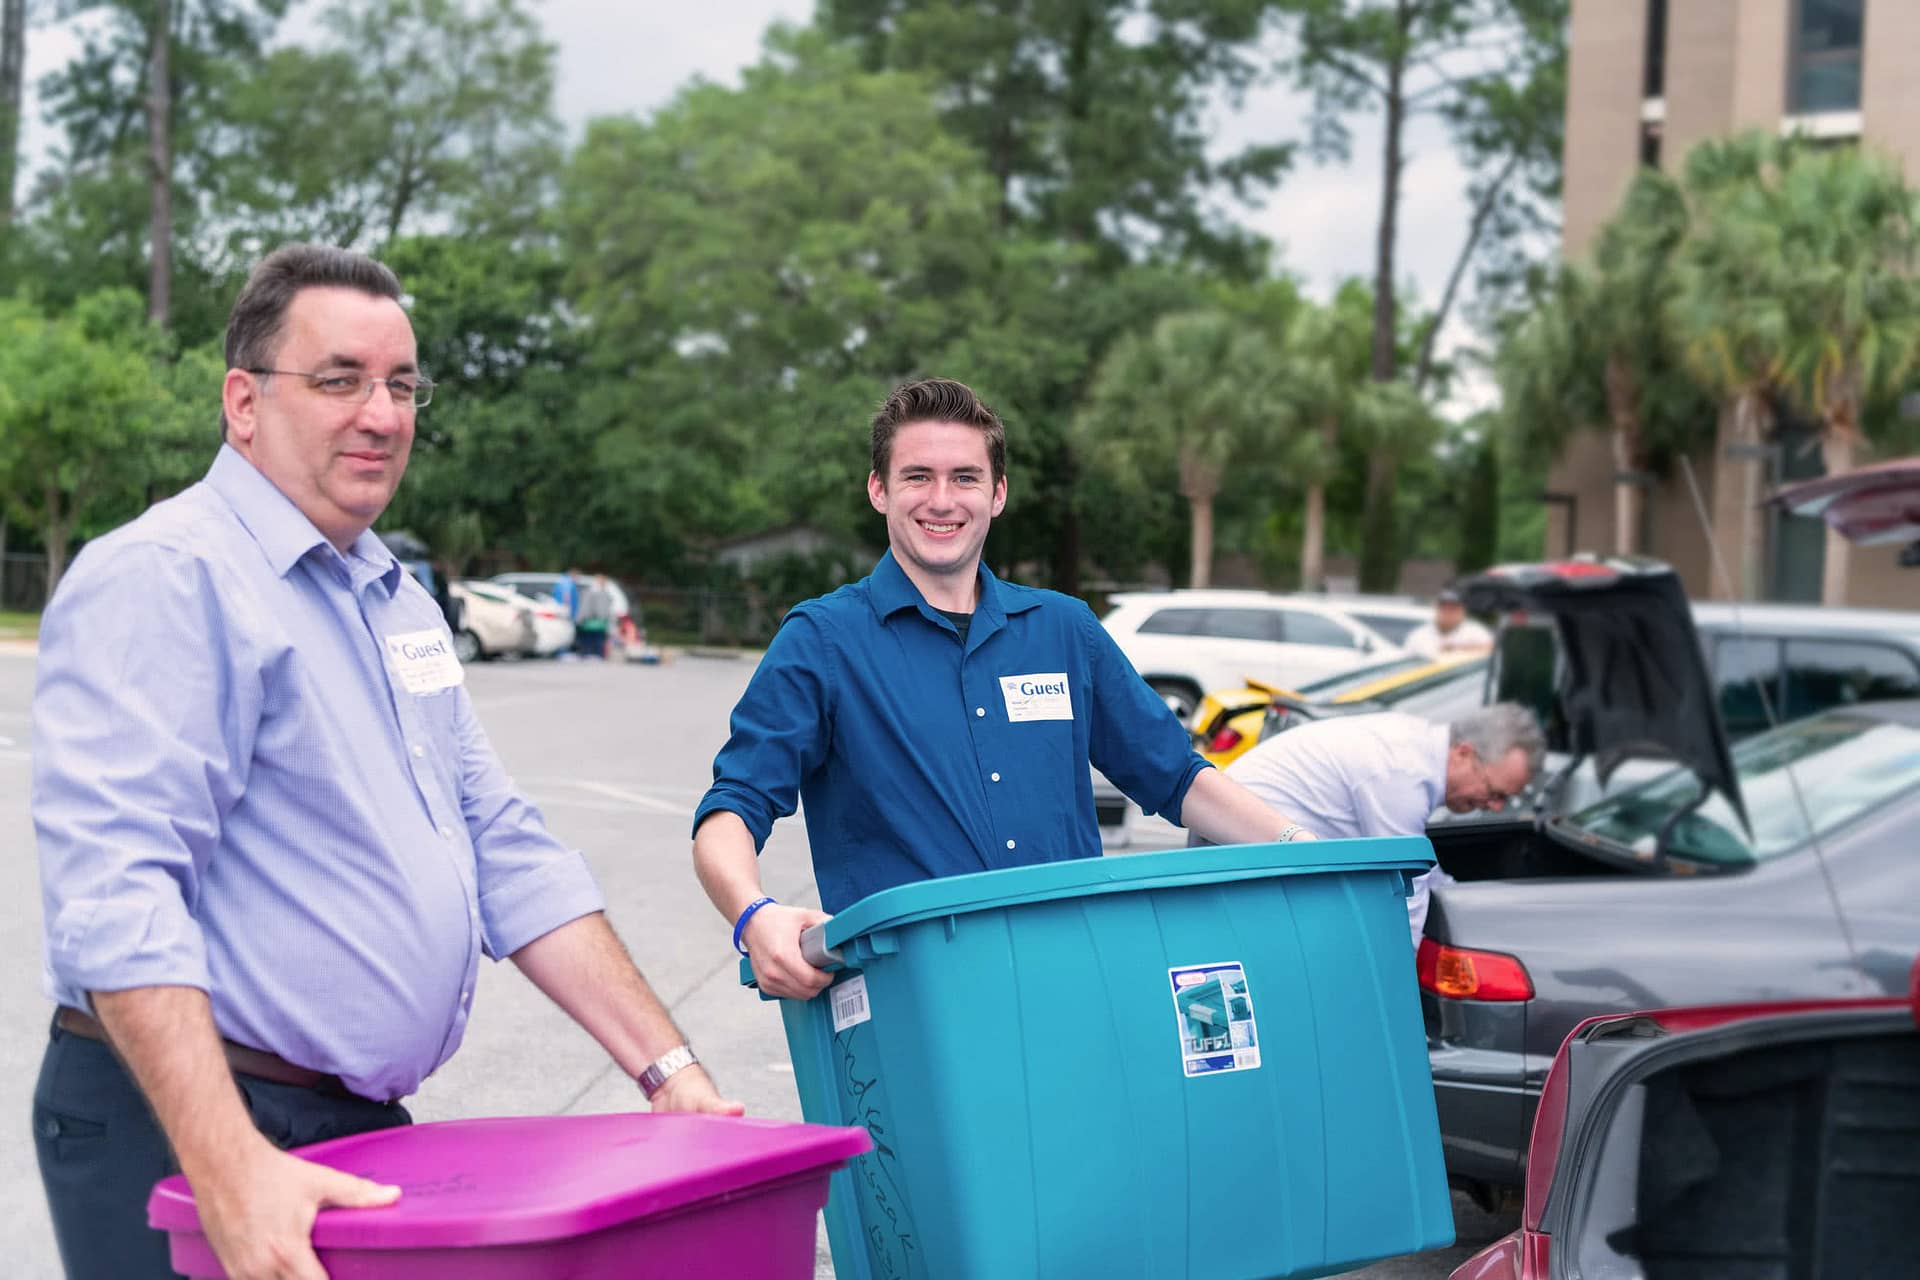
column 1494, row 794
column 405, row 388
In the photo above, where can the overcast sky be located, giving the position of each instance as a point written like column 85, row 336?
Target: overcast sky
column 631, row 57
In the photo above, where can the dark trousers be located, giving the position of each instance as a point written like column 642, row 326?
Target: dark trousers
column 101, row 1151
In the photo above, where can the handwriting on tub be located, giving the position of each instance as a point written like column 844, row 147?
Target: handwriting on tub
column 890, row 1242
column 452, row 1184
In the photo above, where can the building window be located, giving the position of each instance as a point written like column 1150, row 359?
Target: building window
column 1655, row 81
column 1826, row 56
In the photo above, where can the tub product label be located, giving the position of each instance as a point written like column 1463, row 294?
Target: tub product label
column 1214, row 1012
column 850, row 1006
column 1037, row 697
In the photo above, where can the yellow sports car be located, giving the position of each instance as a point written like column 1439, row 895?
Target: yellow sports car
column 1230, row 721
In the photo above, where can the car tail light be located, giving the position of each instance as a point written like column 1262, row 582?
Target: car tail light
column 1226, row 740
column 1459, row 973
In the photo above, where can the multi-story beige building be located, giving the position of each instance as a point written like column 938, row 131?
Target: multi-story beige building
column 1647, row 80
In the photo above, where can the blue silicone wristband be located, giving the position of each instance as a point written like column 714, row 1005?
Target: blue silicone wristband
column 740, row 925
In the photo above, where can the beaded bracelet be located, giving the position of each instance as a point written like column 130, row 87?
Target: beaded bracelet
column 739, row 926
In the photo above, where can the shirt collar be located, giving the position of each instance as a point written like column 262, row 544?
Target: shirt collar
column 284, row 532
column 891, row 590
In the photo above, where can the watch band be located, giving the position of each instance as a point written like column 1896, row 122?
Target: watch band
column 654, row 1078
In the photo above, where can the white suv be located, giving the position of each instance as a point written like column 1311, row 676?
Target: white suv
column 1185, row 643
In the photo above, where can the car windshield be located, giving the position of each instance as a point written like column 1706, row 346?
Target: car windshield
column 1335, row 685
column 1440, row 697
column 1394, row 628
column 1846, row 764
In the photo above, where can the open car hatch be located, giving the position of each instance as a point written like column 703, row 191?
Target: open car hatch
column 1872, row 505
column 1631, row 676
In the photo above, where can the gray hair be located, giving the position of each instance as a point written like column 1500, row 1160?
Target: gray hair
column 259, row 314
column 1494, row 731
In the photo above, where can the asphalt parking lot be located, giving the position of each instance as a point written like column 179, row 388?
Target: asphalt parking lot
column 617, row 757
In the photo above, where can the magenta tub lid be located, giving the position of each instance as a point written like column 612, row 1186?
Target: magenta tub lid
column 521, row 1180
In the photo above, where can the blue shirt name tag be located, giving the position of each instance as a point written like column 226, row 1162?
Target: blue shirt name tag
column 1037, row 697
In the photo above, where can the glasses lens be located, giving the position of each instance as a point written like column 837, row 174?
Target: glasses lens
column 422, row 392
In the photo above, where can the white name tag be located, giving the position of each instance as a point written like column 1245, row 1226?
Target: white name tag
column 1037, row 697
column 424, row 661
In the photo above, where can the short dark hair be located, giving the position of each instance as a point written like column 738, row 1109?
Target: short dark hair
column 259, row 314
column 937, row 400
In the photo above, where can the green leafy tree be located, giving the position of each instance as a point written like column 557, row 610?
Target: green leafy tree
column 81, row 398
column 1598, row 350
column 1091, row 118
column 13, row 61
column 1799, row 282
column 1494, row 70
column 1091, row 114
column 757, row 267
column 1188, row 402
column 143, row 110
column 1324, row 361
column 407, row 114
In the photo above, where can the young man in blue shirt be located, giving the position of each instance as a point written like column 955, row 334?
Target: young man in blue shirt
column 934, row 719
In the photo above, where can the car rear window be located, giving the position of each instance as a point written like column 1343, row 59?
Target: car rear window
column 1840, row 766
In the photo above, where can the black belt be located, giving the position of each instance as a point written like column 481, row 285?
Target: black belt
column 245, row 1061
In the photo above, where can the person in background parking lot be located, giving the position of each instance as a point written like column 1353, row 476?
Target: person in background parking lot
column 1451, row 630
column 595, row 616
column 1385, row 774
column 274, row 840
column 936, row 719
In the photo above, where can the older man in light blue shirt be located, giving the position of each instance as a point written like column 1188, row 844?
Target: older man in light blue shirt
column 274, row 839
column 1385, row 774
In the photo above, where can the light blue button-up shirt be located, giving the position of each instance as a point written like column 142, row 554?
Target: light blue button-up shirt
column 240, row 785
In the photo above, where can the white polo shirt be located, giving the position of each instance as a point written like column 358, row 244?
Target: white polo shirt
column 1349, row 776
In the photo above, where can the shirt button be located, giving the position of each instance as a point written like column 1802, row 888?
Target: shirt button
column 419, row 750
column 464, row 996
column 996, row 777
column 1009, row 844
column 979, row 711
column 446, row 831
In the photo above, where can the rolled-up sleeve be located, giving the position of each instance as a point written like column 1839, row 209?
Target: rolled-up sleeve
column 142, row 733
column 1134, row 739
column 529, row 884
column 779, row 732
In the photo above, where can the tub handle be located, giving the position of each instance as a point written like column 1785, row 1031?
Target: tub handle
column 813, row 946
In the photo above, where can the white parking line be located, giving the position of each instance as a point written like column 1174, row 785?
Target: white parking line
column 634, row 798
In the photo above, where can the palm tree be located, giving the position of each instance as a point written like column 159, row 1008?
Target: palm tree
column 1843, row 225
column 1731, row 344
column 1796, row 284
column 1597, row 350
column 1324, row 362
column 1192, row 396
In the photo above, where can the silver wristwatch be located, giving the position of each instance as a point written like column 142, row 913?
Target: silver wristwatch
column 654, row 1078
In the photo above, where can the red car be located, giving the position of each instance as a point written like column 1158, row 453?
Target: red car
column 1769, row 1141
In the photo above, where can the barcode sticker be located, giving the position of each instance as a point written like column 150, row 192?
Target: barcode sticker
column 850, row 1002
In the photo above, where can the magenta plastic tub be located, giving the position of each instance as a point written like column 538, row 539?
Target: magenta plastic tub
column 584, row 1197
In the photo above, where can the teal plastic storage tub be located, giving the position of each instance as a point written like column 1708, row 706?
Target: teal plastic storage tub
column 1206, row 1063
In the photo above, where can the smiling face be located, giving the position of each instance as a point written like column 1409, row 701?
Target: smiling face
column 939, row 497
column 338, row 460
